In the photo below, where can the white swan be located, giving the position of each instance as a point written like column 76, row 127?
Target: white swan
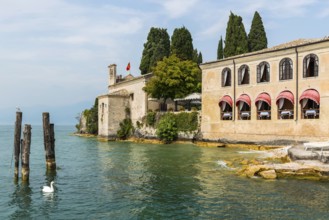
column 48, row 189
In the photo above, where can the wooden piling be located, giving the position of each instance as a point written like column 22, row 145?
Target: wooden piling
column 26, row 146
column 17, row 142
column 49, row 142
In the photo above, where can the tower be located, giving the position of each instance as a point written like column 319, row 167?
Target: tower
column 112, row 74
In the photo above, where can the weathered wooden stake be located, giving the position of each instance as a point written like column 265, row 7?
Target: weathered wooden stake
column 17, row 142
column 49, row 142
column 26, row 146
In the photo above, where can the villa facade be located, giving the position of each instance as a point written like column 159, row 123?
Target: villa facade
column 280, row 93
column 125, row 98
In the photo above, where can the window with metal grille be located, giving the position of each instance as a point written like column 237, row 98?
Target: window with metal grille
column 226, row 77
column 286, row 69
column 311, row 66
column 243, row 75
column 263, row 72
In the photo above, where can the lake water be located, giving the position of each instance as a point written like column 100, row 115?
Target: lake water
column 111, row 180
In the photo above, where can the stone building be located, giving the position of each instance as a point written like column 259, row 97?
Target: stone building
column 280, row 93
column 125, row 98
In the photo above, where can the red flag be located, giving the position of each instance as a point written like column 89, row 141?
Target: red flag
column 128, row 67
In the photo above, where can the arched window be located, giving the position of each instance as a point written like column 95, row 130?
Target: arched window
column 285, row 69
column 285, row 103
column 310, row 104
column 263, row 72
column 225, row 105
column 243, row 75
column 311, row 66
column 226, row 77
column 243, row 104
column 263, row 105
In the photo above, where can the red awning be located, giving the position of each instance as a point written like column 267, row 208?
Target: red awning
column 227, row 99
column 311, row 94
column 243, row 98
column 286, row 95
column 264, row 97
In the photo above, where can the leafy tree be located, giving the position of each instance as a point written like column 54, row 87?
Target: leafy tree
column 174, row 78
column 220, row 52
column 167, row 129
column 236, row 41
column 155, row 49
column 257, row 39
column 182, row 44
column 92, row 118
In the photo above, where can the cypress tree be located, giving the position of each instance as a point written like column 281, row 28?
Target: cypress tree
column 200, row 60
column 195, row 55
column 257, row 39
column 155, row 49
column 236, row 41
column 182, row 44
column 220, row 52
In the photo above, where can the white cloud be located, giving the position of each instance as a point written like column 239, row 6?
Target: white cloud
column 176, row 9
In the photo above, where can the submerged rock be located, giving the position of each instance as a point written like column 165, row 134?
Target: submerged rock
column 268, row 174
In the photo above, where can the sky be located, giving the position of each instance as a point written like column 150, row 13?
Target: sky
column 54, row 54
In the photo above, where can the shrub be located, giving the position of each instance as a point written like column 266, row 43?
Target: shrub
column 167, row 128
column 187, row 121
column 150, row 118
column 126, row 128
column 139, row 124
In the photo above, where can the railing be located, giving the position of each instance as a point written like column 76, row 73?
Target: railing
column 244, row 115
column 264, row 115
column 286, row 114
column 310, row 113
column 226, row 115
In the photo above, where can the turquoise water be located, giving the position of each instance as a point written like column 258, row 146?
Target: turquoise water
column 100, row 180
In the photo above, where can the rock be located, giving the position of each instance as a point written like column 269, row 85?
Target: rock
column 244, row 162
column 268, row 174
column 251, row 171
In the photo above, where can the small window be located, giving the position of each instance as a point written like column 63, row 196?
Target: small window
column 311, row 66
column 243, row 75
column 263, row 72
column 286, row 69
column 226, row 77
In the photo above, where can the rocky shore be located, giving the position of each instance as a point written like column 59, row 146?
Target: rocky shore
column 271, row 162
column 291, row 161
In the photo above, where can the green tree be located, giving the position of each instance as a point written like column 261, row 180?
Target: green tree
column 200, row 60
column 182, row 44
column 167, row 128
column 155, row 49
column 236, row 41
column 92, row 118
column 220, row 52
column 257, row 39
column 174, row 78
column 197, row 56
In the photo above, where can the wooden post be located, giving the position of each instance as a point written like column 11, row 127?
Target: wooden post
column 49, row 142
column 17, row 141
column 26, row 146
